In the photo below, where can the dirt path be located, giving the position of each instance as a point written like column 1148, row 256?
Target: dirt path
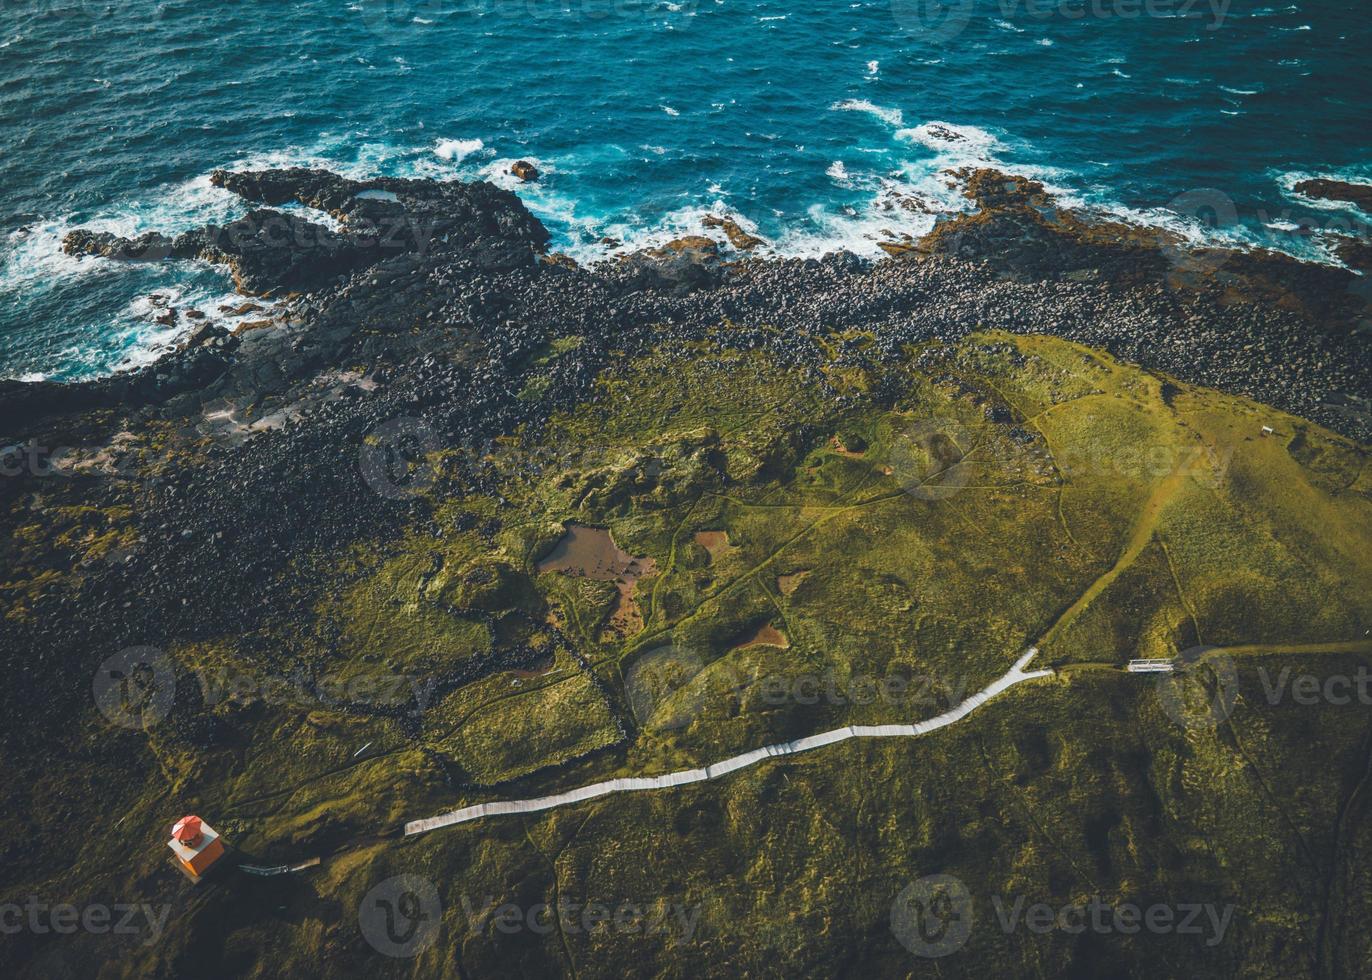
column 1139, row 536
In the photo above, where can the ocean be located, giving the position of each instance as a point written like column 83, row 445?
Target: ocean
column 821, row 124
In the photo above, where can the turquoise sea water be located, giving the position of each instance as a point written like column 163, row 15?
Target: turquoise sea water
column 808, row 118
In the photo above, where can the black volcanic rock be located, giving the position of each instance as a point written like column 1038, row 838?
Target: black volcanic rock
column 427, row 321
column 270, row 252
column 1337, row 190
column 454, row 213
column 151, row 247
column 679, row 266
column 1356, row 253
column 267, row 251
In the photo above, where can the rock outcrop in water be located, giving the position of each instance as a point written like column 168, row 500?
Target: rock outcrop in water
column 1337, row 190
column 1018, row 228
column 738, row 238
column 453, row 213
column 524, row 170
column 267, row 252
column 271, row 252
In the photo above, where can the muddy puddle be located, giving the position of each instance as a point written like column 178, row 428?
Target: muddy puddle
column 789, row 583
column 591, row 552
column 715, row 542
column 765, row 635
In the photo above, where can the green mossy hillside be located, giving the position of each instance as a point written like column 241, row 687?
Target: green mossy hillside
column 801, row 562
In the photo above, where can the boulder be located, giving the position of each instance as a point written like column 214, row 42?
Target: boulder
column 243, row 309
column 560, row 259
column 1337, row 190
column 738, row 238
column 679, row 266
column 1354, row 252
column 205, row 334
column 524, row 170
column 898, row 250
column 248, row 325
column 692, row 243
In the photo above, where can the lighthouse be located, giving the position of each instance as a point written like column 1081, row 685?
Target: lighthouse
column 196, row 846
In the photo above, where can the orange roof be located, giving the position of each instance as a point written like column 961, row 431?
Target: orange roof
column 187, row 830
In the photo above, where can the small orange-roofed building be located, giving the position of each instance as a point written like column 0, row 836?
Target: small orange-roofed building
column 196, row 845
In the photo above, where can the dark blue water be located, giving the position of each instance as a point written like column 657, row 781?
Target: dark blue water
column 808, row 118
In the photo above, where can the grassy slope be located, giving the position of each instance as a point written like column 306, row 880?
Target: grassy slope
column 1091, row 508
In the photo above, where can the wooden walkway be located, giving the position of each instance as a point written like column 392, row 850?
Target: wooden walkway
column 1015, row 675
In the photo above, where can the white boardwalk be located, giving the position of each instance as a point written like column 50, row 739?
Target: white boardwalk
column 1015, row 675
column 1156, row 666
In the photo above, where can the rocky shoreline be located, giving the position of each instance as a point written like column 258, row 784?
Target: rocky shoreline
column 432, row 300
column 418, row 255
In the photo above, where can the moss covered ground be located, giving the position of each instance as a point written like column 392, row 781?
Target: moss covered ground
column 899, row 547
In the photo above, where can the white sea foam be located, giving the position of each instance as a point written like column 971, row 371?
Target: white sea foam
column 458, row 150
column 634, row 232
column 32, row 262
column 33, row 256
column 498, row 173
column 906, row 205
column 892, row 117
column 965, row 143
column 133, row 338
